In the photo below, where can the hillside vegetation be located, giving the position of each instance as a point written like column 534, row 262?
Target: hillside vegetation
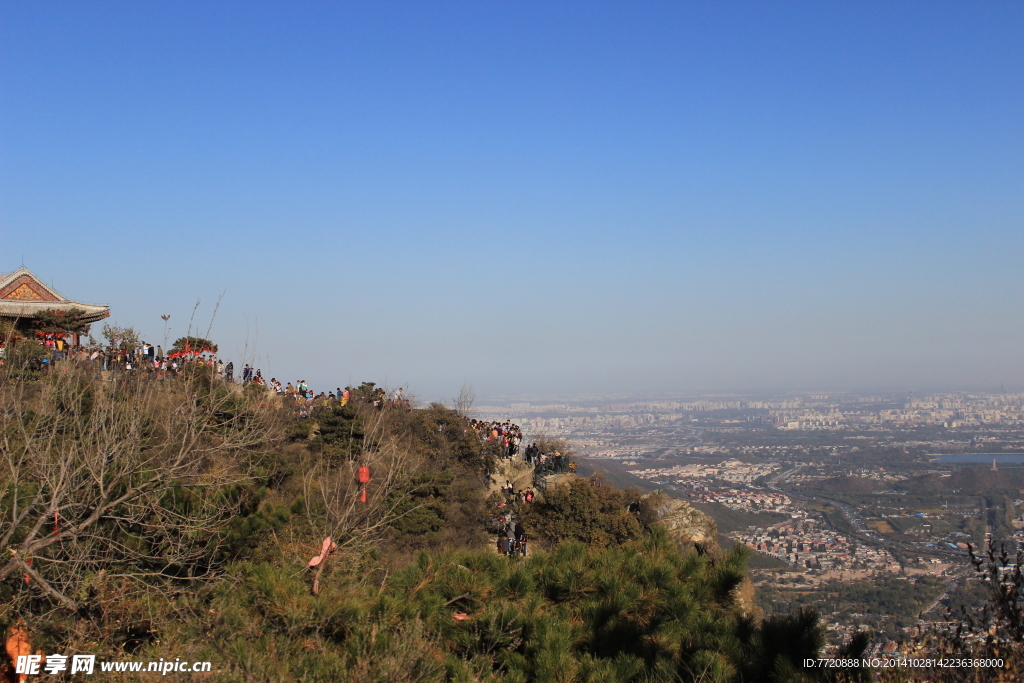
column 146, row 518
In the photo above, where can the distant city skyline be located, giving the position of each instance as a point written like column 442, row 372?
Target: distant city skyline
column 534, row 198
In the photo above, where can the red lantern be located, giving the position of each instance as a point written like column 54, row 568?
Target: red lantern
column 364, row 479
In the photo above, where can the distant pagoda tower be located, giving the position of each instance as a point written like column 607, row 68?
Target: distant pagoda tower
column 23, row 297
column 994, row 468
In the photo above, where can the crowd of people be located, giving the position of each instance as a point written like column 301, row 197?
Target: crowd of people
column 510, row 436
column 552, row 463
column 507, row 434
column 150, row 360
column 511, row 537
column 145, row 359
column 307, row 403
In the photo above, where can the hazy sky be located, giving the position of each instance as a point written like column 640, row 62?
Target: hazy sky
column 533, row 197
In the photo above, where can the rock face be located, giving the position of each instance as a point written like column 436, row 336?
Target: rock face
column 687, row 526
column 553, row 480
column 517, row 472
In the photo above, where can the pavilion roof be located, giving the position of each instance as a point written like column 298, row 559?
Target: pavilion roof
column 23, row 295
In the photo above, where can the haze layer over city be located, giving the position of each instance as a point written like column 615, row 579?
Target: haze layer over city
column 534, row 199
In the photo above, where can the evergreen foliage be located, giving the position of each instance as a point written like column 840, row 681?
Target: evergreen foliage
column 340, row 433
column 640, row 611
column 61, row 321
column 586, row 510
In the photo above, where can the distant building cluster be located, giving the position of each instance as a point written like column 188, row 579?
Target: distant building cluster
column 729, row 470
column 801, row 541
column 749, row 501
column 951, row 411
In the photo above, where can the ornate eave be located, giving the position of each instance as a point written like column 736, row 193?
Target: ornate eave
column 23, row 295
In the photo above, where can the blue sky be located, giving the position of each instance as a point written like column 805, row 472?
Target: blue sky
column 533, row 197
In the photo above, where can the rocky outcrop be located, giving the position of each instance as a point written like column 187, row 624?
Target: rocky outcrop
column 687, row 526
column 519, row 473
column 553, row 480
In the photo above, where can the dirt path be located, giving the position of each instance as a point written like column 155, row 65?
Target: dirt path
column 516, row 471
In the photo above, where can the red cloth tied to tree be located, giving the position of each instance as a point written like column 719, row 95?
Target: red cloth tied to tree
column 325, row 550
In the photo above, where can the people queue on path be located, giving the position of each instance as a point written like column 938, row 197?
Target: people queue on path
column 150, row 360
column 306, row 402
column 512, row 538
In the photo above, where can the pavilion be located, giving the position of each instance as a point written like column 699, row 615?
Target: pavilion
column 23, row 296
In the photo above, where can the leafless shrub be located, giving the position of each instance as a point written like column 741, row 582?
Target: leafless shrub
column 332, row 490
column 549, row 445
column 107, row 481
column 463, row 403
column 993, row 634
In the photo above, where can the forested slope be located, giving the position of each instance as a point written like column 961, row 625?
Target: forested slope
column 150, row 519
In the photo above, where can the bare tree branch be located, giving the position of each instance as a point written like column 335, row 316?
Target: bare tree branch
column 134, row 475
